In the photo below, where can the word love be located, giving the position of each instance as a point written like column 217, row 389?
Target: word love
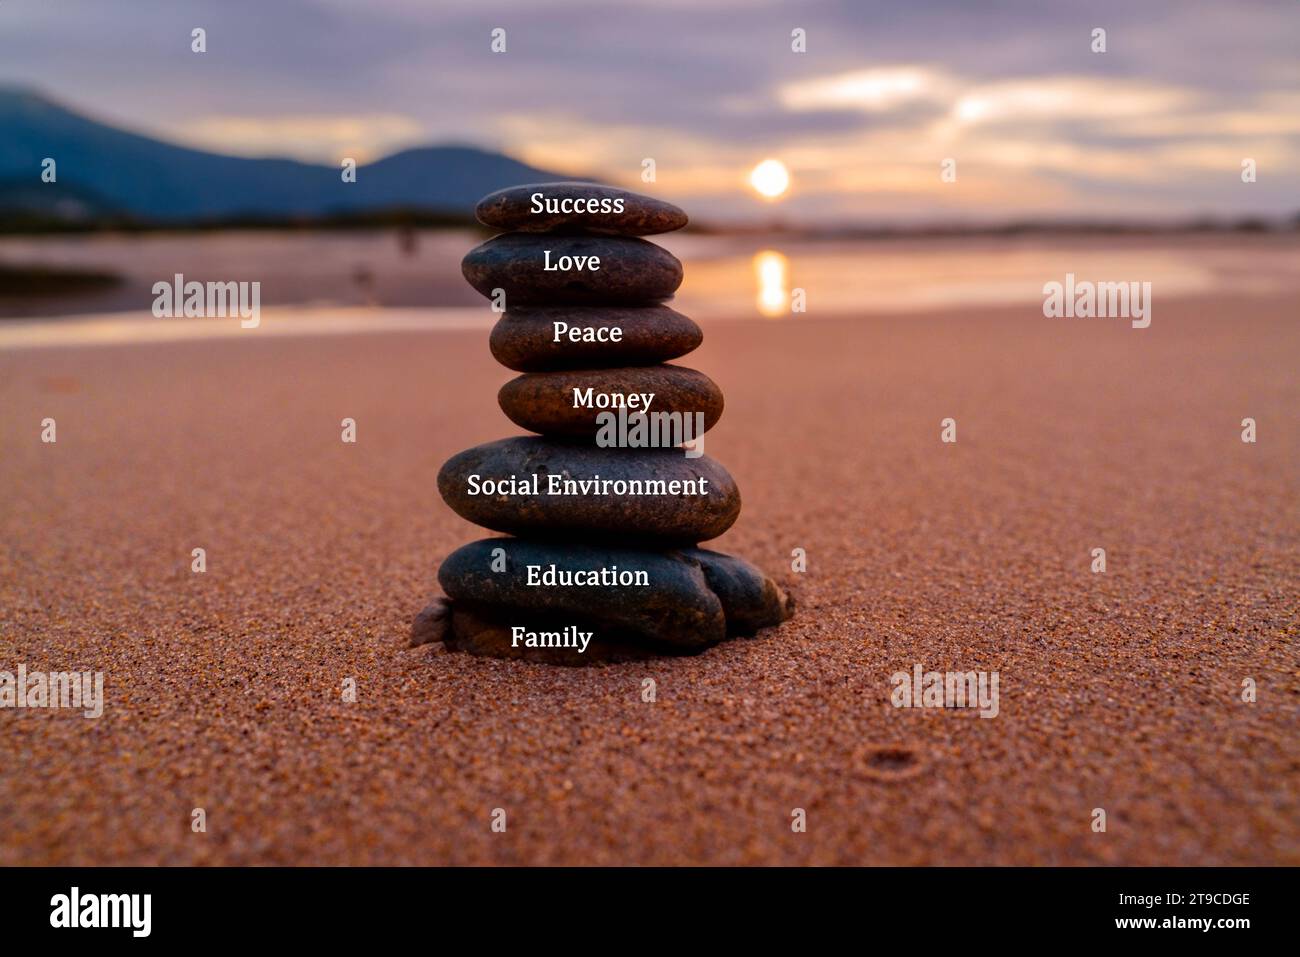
column 566, row 263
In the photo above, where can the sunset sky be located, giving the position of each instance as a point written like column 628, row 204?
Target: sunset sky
column 1040, row 126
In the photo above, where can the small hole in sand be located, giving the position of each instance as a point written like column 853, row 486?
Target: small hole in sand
column 891, row 762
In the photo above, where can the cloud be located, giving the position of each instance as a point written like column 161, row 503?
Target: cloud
column 876, row 90
column 886, row 91
column 1067, row 98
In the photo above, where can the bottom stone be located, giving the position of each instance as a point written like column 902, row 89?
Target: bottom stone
column 495, row 633
column 574, row 604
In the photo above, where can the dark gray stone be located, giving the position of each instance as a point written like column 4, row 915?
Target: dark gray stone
column 692, row 598
column 675, row 608
column 750, row 599
column 660, row 517
column 631, row 271
column 615, row 211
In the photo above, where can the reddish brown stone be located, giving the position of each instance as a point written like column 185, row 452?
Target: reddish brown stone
column 615, row 270
column 545, row 402
column 524, row 339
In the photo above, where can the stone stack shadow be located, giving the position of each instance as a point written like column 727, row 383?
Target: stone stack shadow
column 579, row 498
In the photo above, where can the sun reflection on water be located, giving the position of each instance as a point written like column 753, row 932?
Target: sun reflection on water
column 771, row 270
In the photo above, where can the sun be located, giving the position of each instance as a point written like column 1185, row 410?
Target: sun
column 770, row 178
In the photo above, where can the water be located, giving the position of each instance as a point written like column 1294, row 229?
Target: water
column 417, row 275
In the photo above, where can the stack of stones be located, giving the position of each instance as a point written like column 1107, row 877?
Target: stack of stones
column 609, row 504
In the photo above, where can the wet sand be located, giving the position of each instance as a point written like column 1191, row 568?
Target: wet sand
column 1119, row 691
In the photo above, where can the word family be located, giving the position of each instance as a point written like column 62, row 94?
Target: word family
column 570, row 637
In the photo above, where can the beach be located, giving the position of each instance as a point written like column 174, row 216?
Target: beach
column 1120, row 690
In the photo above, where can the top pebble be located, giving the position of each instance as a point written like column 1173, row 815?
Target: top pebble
column 578, row 207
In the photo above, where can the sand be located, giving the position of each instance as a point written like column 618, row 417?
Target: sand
column 1119, row 690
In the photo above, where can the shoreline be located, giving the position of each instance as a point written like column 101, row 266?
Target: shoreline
column 726, row 277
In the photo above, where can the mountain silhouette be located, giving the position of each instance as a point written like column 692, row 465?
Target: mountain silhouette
column 103, row 171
